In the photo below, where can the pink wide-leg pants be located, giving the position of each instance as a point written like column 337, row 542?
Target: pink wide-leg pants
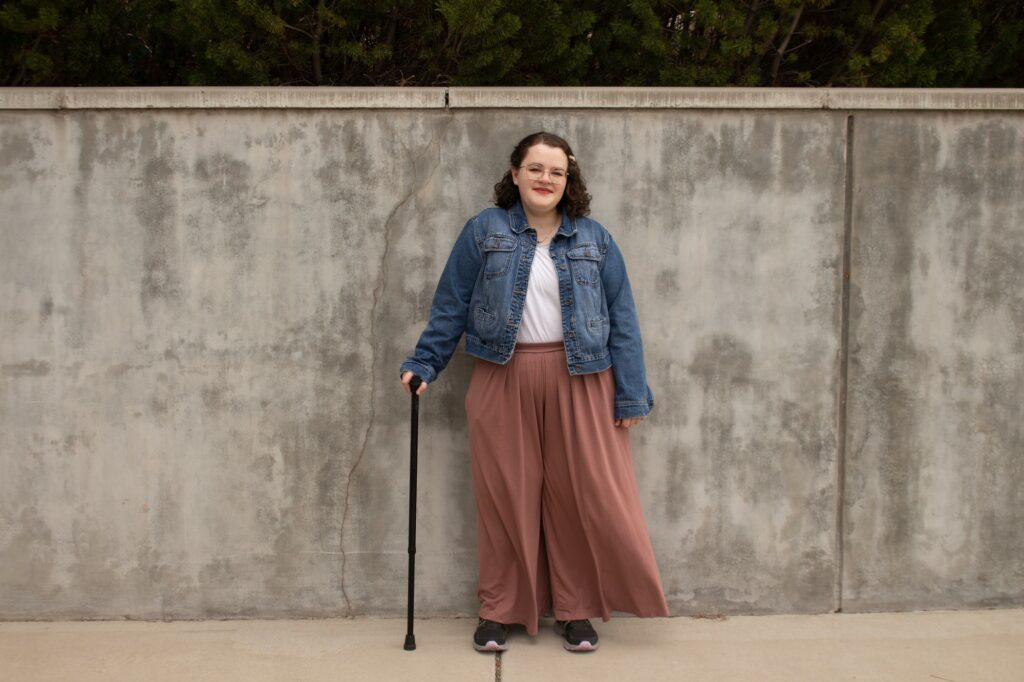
column 560, row 528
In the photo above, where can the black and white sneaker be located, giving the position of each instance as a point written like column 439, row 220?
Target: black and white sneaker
column 577, row 635
column 490, row 636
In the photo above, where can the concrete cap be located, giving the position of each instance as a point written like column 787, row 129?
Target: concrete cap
column 223, row 97
column 324, row 97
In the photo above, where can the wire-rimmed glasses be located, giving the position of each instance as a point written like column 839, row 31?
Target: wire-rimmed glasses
column 535, row 171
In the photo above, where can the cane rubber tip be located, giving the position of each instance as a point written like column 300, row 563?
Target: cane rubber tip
column 410, row 643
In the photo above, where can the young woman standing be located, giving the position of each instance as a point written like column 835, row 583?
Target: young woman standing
column 542, row 295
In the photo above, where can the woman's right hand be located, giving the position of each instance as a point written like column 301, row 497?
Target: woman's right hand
column 406, row 378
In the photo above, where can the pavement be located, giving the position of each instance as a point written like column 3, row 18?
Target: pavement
column 950, row 646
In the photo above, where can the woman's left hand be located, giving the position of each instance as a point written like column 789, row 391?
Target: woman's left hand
column 626, row 423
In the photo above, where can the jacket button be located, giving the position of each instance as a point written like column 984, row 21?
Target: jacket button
column 568, row 301
column 562, row 266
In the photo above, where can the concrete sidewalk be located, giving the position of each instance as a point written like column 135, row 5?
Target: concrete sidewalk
column 951, row 646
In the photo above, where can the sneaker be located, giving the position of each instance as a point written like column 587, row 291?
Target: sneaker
column 490, row 636
column 577, row 635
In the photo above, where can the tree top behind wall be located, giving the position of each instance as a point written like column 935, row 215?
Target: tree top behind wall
column 881, row 43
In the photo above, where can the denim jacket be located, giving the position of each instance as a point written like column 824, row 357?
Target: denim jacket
column 483, row 288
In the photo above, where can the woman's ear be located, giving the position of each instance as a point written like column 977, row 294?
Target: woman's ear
column 515, row 174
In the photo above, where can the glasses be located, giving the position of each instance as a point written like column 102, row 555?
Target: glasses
column 536, row 172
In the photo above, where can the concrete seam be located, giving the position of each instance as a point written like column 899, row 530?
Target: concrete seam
column 497, row 667
column 844, row 361
column 378, row 294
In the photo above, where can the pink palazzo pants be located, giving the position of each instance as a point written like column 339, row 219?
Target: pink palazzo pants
column 560, row 526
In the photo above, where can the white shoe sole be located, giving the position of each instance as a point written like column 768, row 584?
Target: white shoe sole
column 582, row 646
column 490, row 646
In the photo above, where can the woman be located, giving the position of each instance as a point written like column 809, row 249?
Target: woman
column 542, row 295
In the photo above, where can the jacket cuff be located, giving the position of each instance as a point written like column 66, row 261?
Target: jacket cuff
column 634, row 408
column 422, row 371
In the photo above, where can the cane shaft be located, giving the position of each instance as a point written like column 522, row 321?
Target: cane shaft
column 410, row 638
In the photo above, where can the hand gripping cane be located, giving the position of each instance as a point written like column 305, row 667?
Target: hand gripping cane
column 414, row 383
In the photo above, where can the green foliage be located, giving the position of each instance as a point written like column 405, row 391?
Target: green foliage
column 61, row 42
column 910, row 43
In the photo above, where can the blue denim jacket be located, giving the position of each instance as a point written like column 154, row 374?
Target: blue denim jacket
column 483, row 288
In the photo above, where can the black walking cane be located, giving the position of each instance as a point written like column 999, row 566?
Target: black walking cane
column 414, row 384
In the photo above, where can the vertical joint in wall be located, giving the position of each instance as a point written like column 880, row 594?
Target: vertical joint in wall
column 844, row 359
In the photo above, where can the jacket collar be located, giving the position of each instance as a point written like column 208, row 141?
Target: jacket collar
column 518, row 223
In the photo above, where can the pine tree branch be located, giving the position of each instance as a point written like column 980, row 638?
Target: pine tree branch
column 318, row 75
column 860, row 39
column 782, row 48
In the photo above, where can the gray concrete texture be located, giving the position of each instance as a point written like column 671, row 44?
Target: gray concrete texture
column 204, row 310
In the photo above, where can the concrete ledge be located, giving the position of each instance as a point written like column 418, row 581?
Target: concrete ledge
column 224, row 97
column 736, row 98
column 637, row 98
column 237, row 97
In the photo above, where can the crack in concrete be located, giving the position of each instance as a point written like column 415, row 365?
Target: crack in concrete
column 378, row 292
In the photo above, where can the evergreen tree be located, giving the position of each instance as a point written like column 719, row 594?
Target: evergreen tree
column 909, row 43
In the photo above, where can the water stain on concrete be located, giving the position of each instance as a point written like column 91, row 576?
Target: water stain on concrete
column 685, row 159
column 29, row 368
column 345, row 156
column 993, row 278
column 227, row 182
column 16, row 148
column 679, row 473
column 161, row 397
column 88, row 143
column 94, row 575
column 215, row 397
column 156, row 209
column 721, row 362
column 27, row 560
column 262, row 467
column 666, row 283
column 45, row 308
column 313, row 454
column 746, row 148
column 984, row 163
column 161, row 588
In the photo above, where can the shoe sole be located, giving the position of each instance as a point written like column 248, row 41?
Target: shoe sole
column 585, row 645
column 490, row 646
column 582, row 646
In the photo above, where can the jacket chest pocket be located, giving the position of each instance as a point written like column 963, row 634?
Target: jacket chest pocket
column 585, row 260
column 498, row 250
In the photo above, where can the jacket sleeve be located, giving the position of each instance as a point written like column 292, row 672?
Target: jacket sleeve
column 633, row 397
column 449, row 310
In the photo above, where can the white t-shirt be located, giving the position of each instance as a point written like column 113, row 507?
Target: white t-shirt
column 542, row 314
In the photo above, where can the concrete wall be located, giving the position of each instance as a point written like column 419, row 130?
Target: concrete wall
column 205, row 295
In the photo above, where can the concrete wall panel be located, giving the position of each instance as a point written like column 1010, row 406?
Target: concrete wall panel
column 934, row 501
column 192, row 321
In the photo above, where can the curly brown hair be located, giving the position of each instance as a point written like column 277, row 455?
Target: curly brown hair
column 575, row 201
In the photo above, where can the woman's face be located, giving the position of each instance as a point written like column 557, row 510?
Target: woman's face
column 541, row 195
